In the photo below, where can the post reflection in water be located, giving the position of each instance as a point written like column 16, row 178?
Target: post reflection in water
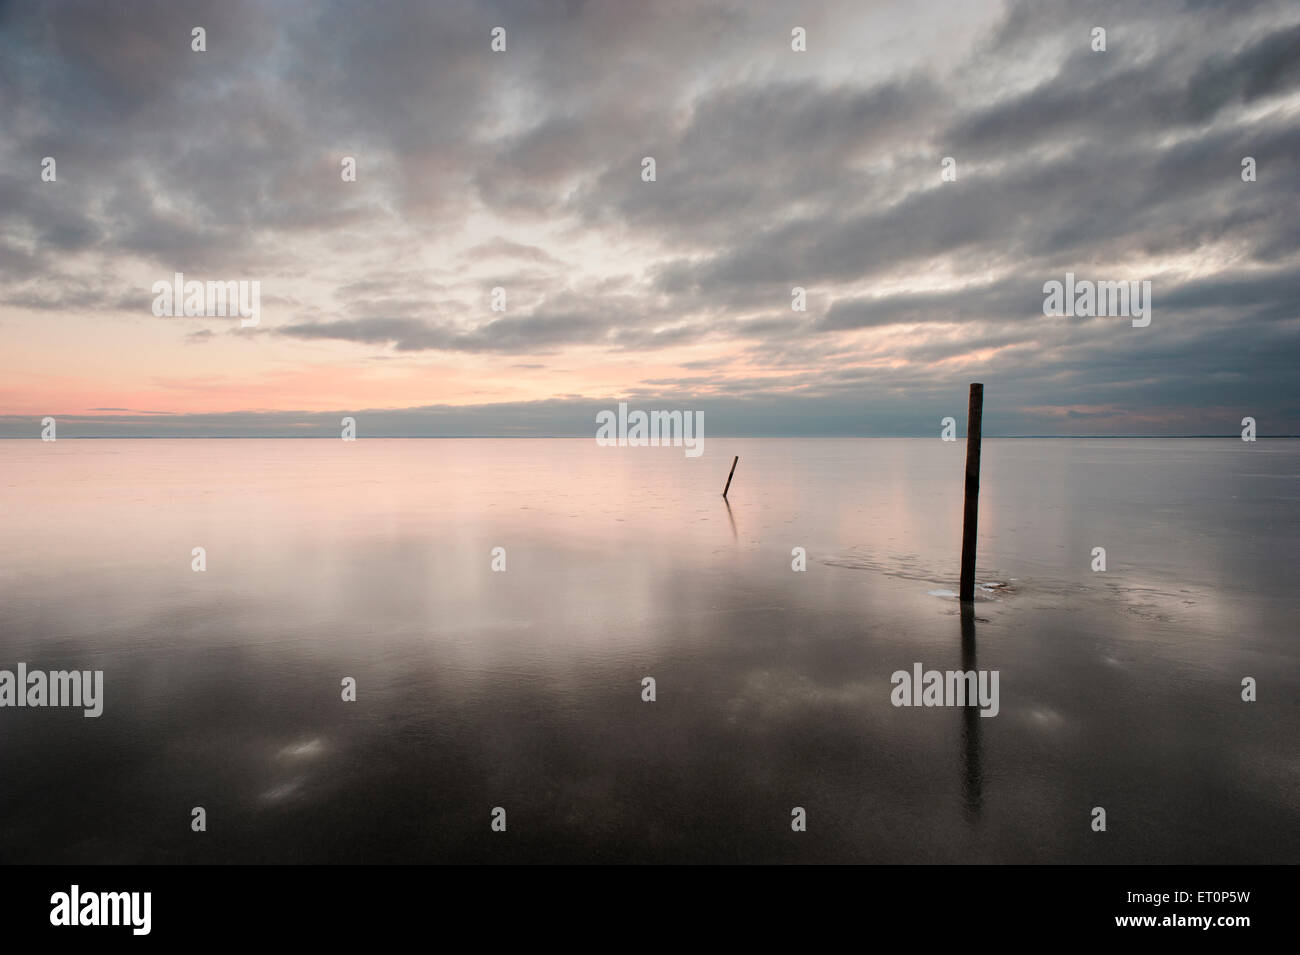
column 972, row 781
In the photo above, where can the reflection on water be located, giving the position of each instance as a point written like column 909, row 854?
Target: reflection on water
column 971, row 772
column 522, row 689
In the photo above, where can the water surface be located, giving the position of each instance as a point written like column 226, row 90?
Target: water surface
column 522, row 689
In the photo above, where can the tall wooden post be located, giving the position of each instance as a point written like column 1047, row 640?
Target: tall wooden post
column 974, row 422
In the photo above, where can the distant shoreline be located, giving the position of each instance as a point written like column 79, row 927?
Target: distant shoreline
column 581, row 437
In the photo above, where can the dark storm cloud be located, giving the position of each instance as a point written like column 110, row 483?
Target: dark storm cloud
column 1011, row 299
column 749, row 154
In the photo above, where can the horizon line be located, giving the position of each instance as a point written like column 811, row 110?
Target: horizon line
column 580, row 437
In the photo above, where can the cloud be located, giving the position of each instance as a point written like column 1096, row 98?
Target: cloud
column 775, row 170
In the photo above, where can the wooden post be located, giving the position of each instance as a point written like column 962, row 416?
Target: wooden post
column 974, row 422
column 733, row 471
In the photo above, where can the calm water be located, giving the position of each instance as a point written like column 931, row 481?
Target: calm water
column 522, row 689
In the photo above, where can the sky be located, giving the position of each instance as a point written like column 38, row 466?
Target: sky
column 522, row 170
